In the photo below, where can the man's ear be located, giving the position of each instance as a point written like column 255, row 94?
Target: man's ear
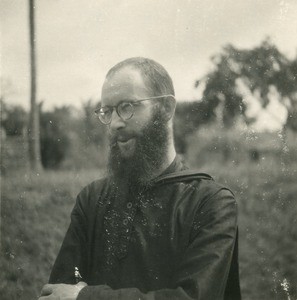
column 168, row 107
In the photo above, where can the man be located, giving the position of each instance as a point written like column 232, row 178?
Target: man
column 151, row 229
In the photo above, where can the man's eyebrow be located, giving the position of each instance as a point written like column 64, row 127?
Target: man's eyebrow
column 132, row 100
column 120, row 102
column 128, row 100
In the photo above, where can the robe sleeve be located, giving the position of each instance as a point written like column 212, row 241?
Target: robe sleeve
column 73, row 247
column 205, row 264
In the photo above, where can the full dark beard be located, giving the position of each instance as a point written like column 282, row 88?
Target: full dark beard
column 150, row 151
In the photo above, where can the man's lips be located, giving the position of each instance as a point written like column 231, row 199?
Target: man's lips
column 125, row 141
column 122, row 137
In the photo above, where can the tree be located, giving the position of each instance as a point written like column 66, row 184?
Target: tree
column 286, row 82
column 259, row 69
column 33, row 130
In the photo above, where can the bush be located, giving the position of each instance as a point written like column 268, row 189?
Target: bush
column 72, row 141
column 55, row 136
column 189, row 116
column 214, row 144
column 13, row 119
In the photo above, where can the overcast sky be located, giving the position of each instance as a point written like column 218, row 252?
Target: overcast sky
column 79, row 40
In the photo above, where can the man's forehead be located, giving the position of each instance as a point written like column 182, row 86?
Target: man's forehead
column 124, row 76
column 124, row 82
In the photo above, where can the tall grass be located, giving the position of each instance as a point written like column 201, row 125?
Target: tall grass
column 35, row 213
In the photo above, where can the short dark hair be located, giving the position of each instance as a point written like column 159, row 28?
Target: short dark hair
column 154, row 74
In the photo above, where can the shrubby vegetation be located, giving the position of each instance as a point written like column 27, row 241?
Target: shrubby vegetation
column 55, row 136
column 69, row 138
column 13, row 119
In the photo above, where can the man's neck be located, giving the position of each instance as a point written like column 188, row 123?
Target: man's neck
column 167, row 161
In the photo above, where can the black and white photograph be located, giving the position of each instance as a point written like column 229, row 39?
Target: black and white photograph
column 148, row 150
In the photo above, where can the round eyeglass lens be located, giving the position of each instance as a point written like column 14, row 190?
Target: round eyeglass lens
column 104, row 115
column 126, row 110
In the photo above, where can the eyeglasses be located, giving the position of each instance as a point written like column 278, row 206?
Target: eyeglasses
column 124, row 109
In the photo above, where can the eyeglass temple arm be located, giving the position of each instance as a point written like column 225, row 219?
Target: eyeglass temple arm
column 143, row 99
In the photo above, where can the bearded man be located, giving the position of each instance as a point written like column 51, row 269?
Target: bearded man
column 151, row 229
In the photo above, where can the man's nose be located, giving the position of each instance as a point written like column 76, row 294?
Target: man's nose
column 116, row 121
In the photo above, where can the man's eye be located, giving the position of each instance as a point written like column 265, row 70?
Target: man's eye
column 126, row 105
column 105, row 111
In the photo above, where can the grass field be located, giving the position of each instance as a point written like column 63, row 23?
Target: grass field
column 35, row 214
